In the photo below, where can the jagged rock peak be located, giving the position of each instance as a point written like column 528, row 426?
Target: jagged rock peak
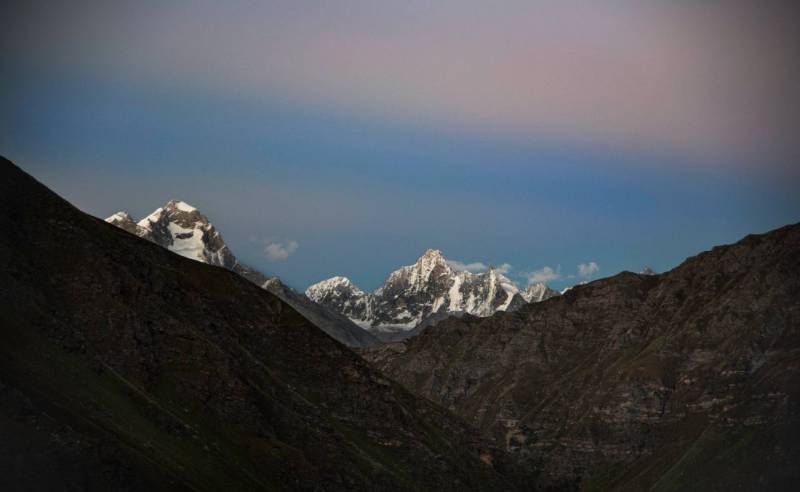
column 431, row 287
column 123, row 220
column 334, row 284
column 538, row 292
column 426, row 264
column 177, row 211
column 181, row 228
column 180, row 205
column 120, row 216
column 432, row 255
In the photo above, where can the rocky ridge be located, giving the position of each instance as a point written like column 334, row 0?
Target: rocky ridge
column 430, row 289
column 126, row 367
column 687, row 380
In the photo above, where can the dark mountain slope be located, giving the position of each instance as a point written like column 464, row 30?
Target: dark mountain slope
column 685, row 380
column 126, row 367
column 184, row 230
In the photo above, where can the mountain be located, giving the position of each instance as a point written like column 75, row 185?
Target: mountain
column 182, row 229
column 126, row 367
column 538, row 293
column 415, row 295
column 339, row 294
column 687, row 380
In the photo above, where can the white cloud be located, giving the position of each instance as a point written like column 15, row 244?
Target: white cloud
column 477, row 267
column 280, row 250
column 586, row 270
column 467, row 267
column 544, row 275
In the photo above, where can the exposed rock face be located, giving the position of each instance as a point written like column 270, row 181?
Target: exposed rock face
column 538, row 292
column 684, row 380
column 337, row 325
column 126, row 367
column 123, row 220
column 428, row 290
column 341, row 295
column 182, row 229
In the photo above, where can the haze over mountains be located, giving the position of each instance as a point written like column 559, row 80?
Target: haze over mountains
column 430, row 289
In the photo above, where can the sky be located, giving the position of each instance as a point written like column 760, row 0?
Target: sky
column 559, row 141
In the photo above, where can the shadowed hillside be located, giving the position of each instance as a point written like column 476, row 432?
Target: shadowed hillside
column 689, row 380
column 126, row 367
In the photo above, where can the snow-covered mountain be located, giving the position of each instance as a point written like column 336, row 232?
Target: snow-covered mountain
column 431, row 287
column 341, row 295
column 538, row 292
column 181, row 228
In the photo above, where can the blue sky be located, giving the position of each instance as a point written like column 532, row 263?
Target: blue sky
column 364, row 164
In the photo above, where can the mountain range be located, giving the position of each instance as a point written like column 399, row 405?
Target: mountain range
column 182, row 229
column 431, row 289
column 144, row 356
column 126, row 367
column 687, row 380
column 412, row 298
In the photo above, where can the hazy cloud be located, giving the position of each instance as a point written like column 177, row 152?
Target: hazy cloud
column 586, row 270
column 477, row 267
column 280, row 251
column 467, row 267
column 544, row 275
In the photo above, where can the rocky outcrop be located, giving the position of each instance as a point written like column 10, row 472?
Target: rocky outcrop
column 537, row 293
column 688, row 380
column 126, row 367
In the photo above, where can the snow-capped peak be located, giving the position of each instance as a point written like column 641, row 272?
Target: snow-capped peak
column 120, row 216
column 153, row 217
column 181, row 228
column 342, row 295
column 180, row 205
column 432, row 255
column 332, row 285
column 419, row 274
column 123, row 220
column 413, row 293
column 538, row 292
